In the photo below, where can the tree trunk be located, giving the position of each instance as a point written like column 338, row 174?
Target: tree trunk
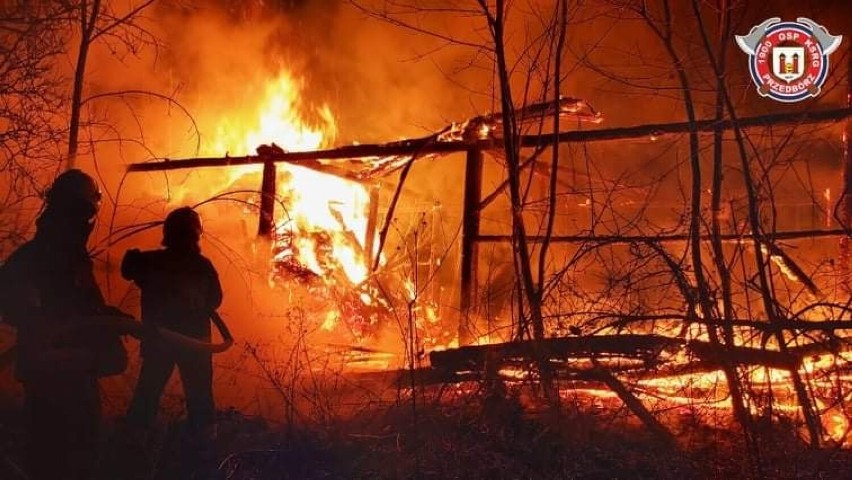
column 87, row 29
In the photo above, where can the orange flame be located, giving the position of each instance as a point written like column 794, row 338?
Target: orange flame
column 320, row 219
column 278, row 116
column 321, row 212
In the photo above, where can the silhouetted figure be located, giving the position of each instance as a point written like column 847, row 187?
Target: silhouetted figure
column 180, row 290
column 49, row 294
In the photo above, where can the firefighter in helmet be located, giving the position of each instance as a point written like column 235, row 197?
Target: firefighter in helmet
column 180, row 291
column 48, row 292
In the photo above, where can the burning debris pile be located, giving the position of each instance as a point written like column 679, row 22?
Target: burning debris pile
column 667, row 372
column 337, row 249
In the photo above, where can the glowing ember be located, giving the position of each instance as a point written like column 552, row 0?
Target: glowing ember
column 325, row 223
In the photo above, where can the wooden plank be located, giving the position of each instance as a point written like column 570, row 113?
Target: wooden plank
column 707, row 359
column 678, row 237
column 469, row 247
column 476, row 356
column 266, row 222
column 702, row 126
column 718, row 354
column 645, row 347
column 428, row 145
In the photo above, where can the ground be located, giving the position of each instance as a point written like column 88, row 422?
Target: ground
column 470, row 438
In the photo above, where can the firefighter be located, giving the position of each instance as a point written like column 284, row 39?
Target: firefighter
column 48, row 292
column 180, row 291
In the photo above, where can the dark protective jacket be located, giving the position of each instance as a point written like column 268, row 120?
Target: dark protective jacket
column 47, row 287
column 180, row 288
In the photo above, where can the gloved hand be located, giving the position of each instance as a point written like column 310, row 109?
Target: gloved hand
column 109, row 310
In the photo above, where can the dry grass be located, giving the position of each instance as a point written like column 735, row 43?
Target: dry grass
column 486, row 439
column 477, row 436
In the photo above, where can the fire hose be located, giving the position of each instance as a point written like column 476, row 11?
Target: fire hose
column 123, row 325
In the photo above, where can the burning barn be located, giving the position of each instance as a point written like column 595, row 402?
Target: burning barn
column 642, row 223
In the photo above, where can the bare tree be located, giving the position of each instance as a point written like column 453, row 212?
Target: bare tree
column 32, row 39
column 713, row 294
column 714, row 271
column 120, row 29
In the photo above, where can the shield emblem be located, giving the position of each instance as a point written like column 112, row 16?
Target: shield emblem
column 788, row 63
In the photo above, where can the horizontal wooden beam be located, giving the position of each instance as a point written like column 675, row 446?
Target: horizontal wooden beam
column 703, row 126
column 475, row 356
column 429, row 145
column 624, row 239
column 646, row 348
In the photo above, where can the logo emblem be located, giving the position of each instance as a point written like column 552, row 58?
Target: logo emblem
column 788, row 61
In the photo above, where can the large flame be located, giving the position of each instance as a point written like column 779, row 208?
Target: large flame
column 320, row 239
column 278, row 116
column 327, row 218
column 323, row 216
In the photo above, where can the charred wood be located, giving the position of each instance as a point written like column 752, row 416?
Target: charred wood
column 567, row 354
column 429, row 146
column 717, row 354
column 475, row 357
column 620, row 239
column 635, row 405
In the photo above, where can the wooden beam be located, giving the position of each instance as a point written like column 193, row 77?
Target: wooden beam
column 469, row 247
column 475, row 356
column 307, row 159
column 682, row 237
column 704, row 126
column 372, row 222
column 635, row 405
column 647, row 348
column 719, row 354
column 266, row 223
column 428, row 145
column 590, row 377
